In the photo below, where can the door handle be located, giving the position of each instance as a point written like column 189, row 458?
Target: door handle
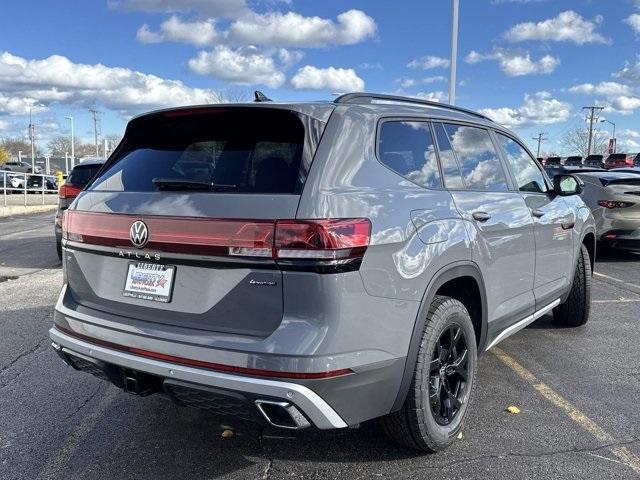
column 481, row 216
column 537, row 213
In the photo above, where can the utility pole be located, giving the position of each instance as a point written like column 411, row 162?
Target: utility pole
column 95, row 128
column 454, row 51
column 592, row 117
column 540, row 138
column 73, row 141
column 32, row 133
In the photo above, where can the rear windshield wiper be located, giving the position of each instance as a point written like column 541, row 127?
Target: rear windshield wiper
column 181, row 184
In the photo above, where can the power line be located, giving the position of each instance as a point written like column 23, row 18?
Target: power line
column 540, row 138
column 592, row 117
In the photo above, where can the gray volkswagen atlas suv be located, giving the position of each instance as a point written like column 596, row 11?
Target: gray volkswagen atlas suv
column 317, row 265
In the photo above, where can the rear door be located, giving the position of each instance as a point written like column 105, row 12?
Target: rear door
column 176, row 228
column 499, row 220
column 553, row 222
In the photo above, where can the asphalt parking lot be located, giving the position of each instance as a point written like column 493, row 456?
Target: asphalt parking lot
column 578, row 391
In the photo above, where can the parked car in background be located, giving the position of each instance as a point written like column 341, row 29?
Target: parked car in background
column 636, row 160
column 614, row 199
column 13, row 183
column 34, row 183
column 210, row 257
column 618, row 160
column 594, row 160
column 553, row 161
column 573, row 161
column 77, row 179
column 20, row 166
column 553, row 170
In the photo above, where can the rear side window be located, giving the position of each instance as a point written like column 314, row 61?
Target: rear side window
column 528, row 176
column 408, row 149
column 479, row 162
column 450, row 168
column 80, row 176
column 235, row 150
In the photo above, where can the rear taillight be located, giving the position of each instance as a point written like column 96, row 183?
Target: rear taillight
column 611, row 204
column 68, row 191
column 332, row 239
column 321, row 244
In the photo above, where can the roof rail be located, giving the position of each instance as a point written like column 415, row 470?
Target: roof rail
column 364, row 98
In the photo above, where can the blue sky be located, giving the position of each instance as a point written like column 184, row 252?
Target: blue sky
column 529, row 64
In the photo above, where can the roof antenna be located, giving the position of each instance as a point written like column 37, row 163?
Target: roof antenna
column 260, row 97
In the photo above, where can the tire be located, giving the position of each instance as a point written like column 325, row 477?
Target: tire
column 416, row 425
column 59, row 250
column 574, row 312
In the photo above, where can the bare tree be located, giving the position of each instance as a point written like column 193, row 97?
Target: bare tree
column 15, row 144
column 113, row 139
column 59, row 145
column 576, row 142
column 235, row 94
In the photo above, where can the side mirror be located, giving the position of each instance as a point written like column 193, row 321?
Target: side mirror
column 565, row 185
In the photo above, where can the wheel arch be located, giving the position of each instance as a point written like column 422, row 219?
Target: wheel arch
column 458, row 271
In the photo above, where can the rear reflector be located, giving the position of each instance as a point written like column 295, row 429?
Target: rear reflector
column 208, row 365
column 327, row 242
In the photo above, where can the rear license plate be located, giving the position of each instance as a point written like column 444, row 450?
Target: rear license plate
column 149, row 281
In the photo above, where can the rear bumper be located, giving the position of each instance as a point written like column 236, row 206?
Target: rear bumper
column 317, row 410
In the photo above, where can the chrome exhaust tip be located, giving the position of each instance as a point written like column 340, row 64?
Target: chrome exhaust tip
column 282, row 414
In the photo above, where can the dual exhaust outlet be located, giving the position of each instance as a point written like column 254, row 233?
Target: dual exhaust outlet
column 282, row 414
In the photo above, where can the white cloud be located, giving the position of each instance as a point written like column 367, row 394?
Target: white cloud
column 627, row 132
column 568, row 26
column 173, row 29
column 621, row 96
column 336, row 79
column 438, row 96
column 294, row 30
column 603, row 88
column 412, row 82
column 633, row 21
column 4, row 125
column 428, row 62
column 516, row 64
column 56, row 78
column 244, row 66
column 213, row 8
column 537, row 109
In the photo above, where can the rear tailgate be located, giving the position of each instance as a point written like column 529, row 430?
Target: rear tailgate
column 203, row 257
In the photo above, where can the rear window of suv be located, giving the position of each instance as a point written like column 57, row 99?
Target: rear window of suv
column 81, row 175
column 234, row 150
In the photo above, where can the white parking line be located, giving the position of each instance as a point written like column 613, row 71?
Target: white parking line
column 598, row 274
column 619, row 300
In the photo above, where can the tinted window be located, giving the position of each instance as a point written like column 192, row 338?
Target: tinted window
column 80, row 176
column 450, row 169
column 479, row 163
column 235, row 150
column 407, row 148
column 528, row 176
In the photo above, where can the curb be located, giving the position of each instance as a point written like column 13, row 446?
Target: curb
column 11, row 210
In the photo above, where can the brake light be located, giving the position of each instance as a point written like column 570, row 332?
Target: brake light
column 306, row 244
column 69, row 191
column 331, row 239
column 611, row 204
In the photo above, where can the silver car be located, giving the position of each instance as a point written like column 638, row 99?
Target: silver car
column 614, row 199
column 318, row 264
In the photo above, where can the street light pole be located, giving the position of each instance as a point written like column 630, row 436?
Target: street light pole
column 73, row 149
column 454, row 51
column 615, row 142
column 32, row 132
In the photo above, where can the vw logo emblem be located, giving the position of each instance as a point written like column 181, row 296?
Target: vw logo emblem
column 139, row 234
